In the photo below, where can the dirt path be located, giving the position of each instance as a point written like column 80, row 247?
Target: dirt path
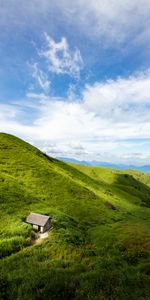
column 40, row 239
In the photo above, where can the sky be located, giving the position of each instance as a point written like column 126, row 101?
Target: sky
column 75, row 77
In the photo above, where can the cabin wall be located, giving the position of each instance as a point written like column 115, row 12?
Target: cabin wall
column 47, row 226
column 35, row 227
column 42, row 228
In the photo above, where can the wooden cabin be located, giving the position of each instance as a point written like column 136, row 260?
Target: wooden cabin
column 41, row 223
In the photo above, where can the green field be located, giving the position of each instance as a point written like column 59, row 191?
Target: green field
column 99, row 247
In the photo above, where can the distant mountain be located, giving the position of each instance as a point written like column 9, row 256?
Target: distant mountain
column 145, row 168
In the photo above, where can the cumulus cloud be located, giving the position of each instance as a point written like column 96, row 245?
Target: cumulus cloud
column 60, row 59
column 121, row 100
column 107, row 115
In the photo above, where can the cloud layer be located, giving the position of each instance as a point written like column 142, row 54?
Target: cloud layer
column 107, row 114
column 112, row 20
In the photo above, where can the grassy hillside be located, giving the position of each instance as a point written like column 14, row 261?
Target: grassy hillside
column 99, row 247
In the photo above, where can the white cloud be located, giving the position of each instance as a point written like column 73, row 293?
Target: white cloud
column 115, row 21
column 121, row 100
column 40, row 77
column 74, row 149
column 105, row 122
column 36, row 96
column 110, row 21
column 7, row 112
column 61, row 120
column 60, row 59
column 72, row 92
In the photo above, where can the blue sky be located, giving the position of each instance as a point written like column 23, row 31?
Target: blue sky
column 75, row 77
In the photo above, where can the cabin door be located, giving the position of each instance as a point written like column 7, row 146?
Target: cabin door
column 41, row 229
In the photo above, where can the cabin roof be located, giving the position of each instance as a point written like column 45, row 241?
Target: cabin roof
column 37, row 219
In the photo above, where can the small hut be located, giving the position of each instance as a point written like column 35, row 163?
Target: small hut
column 39, row 222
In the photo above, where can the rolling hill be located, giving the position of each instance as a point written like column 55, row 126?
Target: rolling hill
column 99, row 247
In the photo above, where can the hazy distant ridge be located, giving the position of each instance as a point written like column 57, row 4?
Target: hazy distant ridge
column 144, row 168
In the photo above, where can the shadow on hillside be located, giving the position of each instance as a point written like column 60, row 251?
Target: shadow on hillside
column 133, row 187
column 125, row 184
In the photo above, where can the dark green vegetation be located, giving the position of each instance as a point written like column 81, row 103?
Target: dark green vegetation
column 99, row 247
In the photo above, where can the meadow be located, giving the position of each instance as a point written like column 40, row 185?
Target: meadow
column 99, row 247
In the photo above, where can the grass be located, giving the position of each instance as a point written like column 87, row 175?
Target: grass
column 93, row 251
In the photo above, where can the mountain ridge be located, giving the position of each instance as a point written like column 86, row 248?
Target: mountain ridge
column 143, row 168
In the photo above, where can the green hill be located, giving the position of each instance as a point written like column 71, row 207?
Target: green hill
column 99, row 247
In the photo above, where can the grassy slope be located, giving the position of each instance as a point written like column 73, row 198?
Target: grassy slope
column 93, row 252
